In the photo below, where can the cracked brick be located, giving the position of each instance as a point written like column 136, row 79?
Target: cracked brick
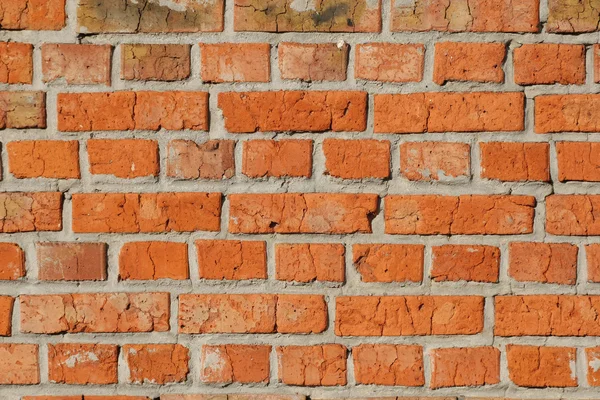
column 389, row 262
column 323, row 365
column 232, row 259
column 541, row 366
column 549, row 63
column 55, row 159
column 16, row 62
column 573, row 16
column 592, row 256
column 357, row 159
column 475, row 62
column 313, row 62
column 12, row 262
column 515, row 162
column 307, row 262
column 82, row 363
column 6, row 311
column 123, row 158
column 465, row 263
column 388, row 364
column 19, row 364
column 21, row 110
column 543, row 262
column 35, row 15
column 467, row 366
column 212, row 159
column 153, row 260
column 567, row 113
column 235, row 62
column 155, row 62
column 572, row 215
column 389, row 62
column 577, row 161
column 30, row 212
column 435, row 161
column 71, row 261
column 277, row 158
column 77, row 64
column 156, row 363
column 231, row 363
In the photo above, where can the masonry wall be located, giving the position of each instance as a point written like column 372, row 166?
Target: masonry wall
column 299, row 199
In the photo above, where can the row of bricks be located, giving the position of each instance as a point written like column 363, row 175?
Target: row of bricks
column 285, row 16
column 303, row 262
column 303, row 111
column 320, row 365
column 514, row 315
column 84, row 64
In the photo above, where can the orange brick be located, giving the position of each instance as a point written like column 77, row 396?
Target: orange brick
column 515, row 162
column 301, row 213
column 577, row 161
column 389, row 262
column 35, row 15
column 567, row 113
column 435, row 161
column 592, row 359
column 449, row 112
column 476, row 62
column 77, row 64
column 568, row 17
column 21, row 110
column 16, row 62
column 357, row 159
column 294, row 111
column 465, row 262
column 235, row 62
column 19, row 364
column 536, row 64
column 572, row 215
column 235, row 363
column 123, row 158
column 44, row 159
column 155, row 62
column 307, row 262
column 468, row 366
column 82, row 364
column 413, row 315
column 312, row 365
column 95, row 313
column 592, row 255
column 313, row 62
column 301, row 314
column 146, row 212
column 156, row 363
column 596, row 63
column 388, row 364
column 12, row 262
column 153, row 260
column 232, row 259
column 389, row 62
column 71, row 261
column 277, row 158
column 6, row 310
column 543, row 262
column 212, row 159
column 30, row 212
column 459, row 215
column 540, row 366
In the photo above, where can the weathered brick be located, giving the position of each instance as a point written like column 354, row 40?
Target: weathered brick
column 540, row 366
column 95, row 313
column 476, row 62
column 12, row 262
column 577, row 161
column 389, row 262
column 543, row 262
column 301, row 213
column 260, row 396
column 77, row 64
column 71, row 261
column 153, row 260
column 323, row 365
column 467, row 366
column 459, row 215
column 156, row 363
column 6, row 310
column 212, row 159
column 536, row 64
column 33, row 15
column 568, row 17
column 301, row 314
column 357, row 159
column 232, row 259
column 21, row 110
column 388, row 364
column 235, row 62
column 465, row 262
column 30, row 212
column 155, row 62
column 277, row 158
column 413, row 315
column 307, row 262
column 596, row 50
column 389, row 62
column 506, row 161
column 146, row 212
column 82, row 363
column 235, row 363
column 81, row 397
column 449, row 112
column 16, row 62
column 567, row 113
column 313, row 62
column 57, row 159
column 592, row 359
column 19, row 364
column 123, row 158
column 592, row 255
column 435, row 161
column 297, row 111
column 572, row 215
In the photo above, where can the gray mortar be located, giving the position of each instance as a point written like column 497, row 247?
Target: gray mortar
column 318, row 183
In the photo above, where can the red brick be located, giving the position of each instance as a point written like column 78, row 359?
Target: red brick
column 459, row 16
column 592, row 254
column 577, row 161
column 212, row 159
column 146, row 212
column 449, row 112
column 468, row 366
column 596, row 63
column 389, row 262
column 413, row 315
column 277, row 158
column 95, row 313
column 121, row 111
column 35, row 15
column 301, row 213
column 83, row 363
column 568, row 17
column 465, row 262
column 30, row 212
column 21, row 110
column 57, row 159
column 155, row 62
column 435, row 161
column 547, row 315
column 232, row 259
column 77, row 64
column 476, row 62
column 459, row 215
column 6, row 310
column 543, row 262
column 235, row 363
column 301, row 314
column 592, row 359
column 287, row 16
column 540, row 367
column 536, row 64
column 19, row 364
column 357, row 159
column 123, row 158
column 12, row 262
column 235, row 62
column 388, row 364
column 515, row 162
column 313, row 62
column 156, row 363
column 153, row 260
column 71, row 261
column 307, row 262
column 312, row 365
column 567, row 113
column 296, row 111
column 16, row 62
column 572, row 215
column 389, row 62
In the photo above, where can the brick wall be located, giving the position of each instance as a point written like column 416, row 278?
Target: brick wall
column 299, row 199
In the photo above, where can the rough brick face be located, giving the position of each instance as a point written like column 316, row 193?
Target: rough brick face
column 156, row 363
column 6, row 310
column 568, row 17
column 233, row 62
column 16, row 62
column 577, row 161
column 19, row 364
column 277, row 158
column 572, row 215
column 474, row 366
column 357, row 159
column 30, row 212
column 389, row 62
column 477, row 62
column 235, row 363
column 153, row 260
column 213, row 159
column 567, row 113
column 592, row 255
column 12, row 262
column 592, row 358
column 55, row 159
column 538, row 367
column 123, row 158
column 71, row 261
column 387, row 364
column 535, row 64
column 21, row 110
column 155, row 62
column 312, row 365
column 543, row 262
column 435, row 161
column 231, row 259
column 33, row 14
column 82, row 364
column 307, row 262
column 313, row 62
column 77, row 64
column 515, row 162
column 388, row 262
column 465, row 262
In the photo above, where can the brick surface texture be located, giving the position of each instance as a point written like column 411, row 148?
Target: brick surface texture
column 299, row 199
